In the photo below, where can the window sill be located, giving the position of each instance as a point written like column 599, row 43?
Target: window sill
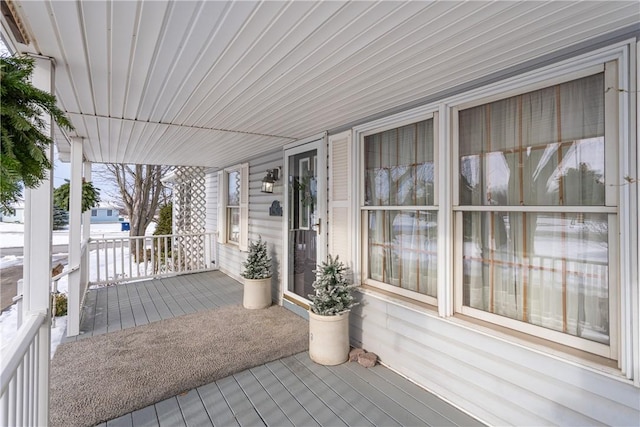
column 406, row 302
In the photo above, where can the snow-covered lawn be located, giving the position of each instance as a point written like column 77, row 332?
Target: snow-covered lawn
column 12, row 235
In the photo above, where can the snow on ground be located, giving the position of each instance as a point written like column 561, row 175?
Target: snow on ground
column 9, row 260
column 12, row 235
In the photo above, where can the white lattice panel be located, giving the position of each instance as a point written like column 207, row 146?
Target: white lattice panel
column 189, row 213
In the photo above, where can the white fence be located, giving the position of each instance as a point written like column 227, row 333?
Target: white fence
column 24, row 377
column 122, row 259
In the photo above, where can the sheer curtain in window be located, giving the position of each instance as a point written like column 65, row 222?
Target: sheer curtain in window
column 543, row 148
column 399, row 181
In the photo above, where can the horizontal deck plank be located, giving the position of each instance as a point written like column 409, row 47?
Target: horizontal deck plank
column 193, row 409
column 169, row 413
column 145, row 417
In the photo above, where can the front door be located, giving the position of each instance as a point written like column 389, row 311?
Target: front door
column 305, row 216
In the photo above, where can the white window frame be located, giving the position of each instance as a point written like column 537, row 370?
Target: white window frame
column 616, row 120
column 372, row 128
column 623, row 246
column 223, row 217
column 229, row 208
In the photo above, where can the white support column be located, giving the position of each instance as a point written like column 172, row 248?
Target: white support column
column 38, row 223
column 75, row 224
column 86, row 216
column 86, row 232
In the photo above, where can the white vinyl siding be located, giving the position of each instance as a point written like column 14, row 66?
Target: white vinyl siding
column 500, row 379
column 259, row 222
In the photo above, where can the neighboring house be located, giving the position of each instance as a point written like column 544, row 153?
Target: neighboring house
column 17, row 216
column 475, row 164
column 105, row 214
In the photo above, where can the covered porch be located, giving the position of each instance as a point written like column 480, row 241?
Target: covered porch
column 244, row 91
column 289, row 391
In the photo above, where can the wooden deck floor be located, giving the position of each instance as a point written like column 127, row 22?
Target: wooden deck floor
column 289, row 392
column 125, row 306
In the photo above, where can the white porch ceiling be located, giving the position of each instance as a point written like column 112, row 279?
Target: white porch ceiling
column 213, row 83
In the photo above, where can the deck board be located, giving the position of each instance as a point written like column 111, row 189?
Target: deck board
column 379, row 399
column 321, row 413
column 453, row 414
column 266, row 407
column 328, row 396
column 216, row 406
column 193, row 409
column 169, row 413
column 282, row 397
column 354, row 397
column 293, row 391
column 242, row 408
column 123, row 421
column 145, row 417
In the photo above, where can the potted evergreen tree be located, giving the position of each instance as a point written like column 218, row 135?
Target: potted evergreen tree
column 329, row 314
column 257, row 274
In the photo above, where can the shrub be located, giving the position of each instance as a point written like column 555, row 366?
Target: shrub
column 60, row 301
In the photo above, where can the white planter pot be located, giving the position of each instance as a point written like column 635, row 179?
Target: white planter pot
column 329, row 338
column 257, row 293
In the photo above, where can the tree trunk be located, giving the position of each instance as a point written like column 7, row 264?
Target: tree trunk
column 141, row 189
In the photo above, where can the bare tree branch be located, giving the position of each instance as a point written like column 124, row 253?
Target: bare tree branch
column 140, row 189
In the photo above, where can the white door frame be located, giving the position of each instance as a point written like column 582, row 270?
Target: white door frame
column 319, row 143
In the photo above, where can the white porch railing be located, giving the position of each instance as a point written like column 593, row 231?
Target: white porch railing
column 24, row 382
column 123, row 259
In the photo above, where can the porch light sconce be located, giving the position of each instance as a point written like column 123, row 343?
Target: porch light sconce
column 268, row 181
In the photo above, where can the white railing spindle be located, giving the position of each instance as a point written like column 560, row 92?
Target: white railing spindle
column 19, row 378
column 162, row 256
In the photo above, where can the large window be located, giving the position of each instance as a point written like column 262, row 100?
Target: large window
column 533, row 214
column 399, row 210
column 510, row 204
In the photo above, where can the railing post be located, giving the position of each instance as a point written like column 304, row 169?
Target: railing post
column 75, row 222
column 19, row 298
column 37, row 253
column 86, row 234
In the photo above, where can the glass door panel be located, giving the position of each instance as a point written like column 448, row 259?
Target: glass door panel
column 303, row 219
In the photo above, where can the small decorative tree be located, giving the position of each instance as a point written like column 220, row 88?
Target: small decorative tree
column 332, row 290
column 60, row 218
column 258, row 263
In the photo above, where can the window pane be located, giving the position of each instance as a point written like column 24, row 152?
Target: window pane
column 540, row 148
column 403, row 249
column 233, row 225
column 399, row 169
column 549, row 270
column 233, row 198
